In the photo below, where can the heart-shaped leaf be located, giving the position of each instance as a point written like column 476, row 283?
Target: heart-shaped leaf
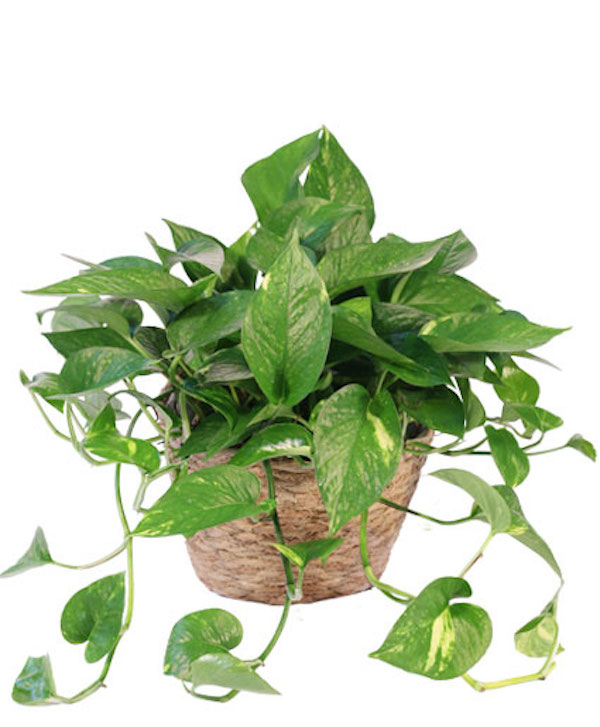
column 209, row 320
column 278, row 440
column 287, row 330
column 435, row 638
column 391, row 318
column 351, row 266
column 36, row 555
column 274, row 180
column 226, row 670
column 357, row 443
column 35, row 683
column 47, row 385
column 188, row 239
column 300, row 554
column 95, row 614
column 203, row 499
column 225, row 366
column 510, row 459
column 515, row 385
column 491, row 332
column 198, row 633
column 474, row 412
column 492, row 504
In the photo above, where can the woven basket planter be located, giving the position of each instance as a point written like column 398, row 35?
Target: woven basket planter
column 237, row 559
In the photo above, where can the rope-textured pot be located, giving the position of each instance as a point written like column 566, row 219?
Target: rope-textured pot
column 237, row 559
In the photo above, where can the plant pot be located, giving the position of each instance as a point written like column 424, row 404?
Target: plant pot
column 237, row 559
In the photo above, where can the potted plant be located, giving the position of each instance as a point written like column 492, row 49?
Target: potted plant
column 306, row 369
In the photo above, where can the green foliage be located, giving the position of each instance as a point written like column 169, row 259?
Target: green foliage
column 306, row 340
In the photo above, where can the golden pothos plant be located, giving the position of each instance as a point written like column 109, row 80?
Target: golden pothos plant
column 305, row 339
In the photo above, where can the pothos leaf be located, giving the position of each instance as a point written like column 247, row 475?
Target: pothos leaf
column 538, row 637
column 115, row 447
column 533, row 416
column 226, row 670
column 357, row 443
column 510, row 459
column 37, row 555
column 287, row 330
column 300, row 554
column 435, row 638
column 97, row 368
column 582, row 445
column 278, row 440
column 198, row 633
column 35, row 683
column 95, row 614
column 203, row 499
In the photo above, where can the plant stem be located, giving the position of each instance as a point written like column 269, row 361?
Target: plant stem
column 131, row 386
column 394, row 593
column 547, row 451
column 542, row 673
column 94, row 563
column 477, row 555
column 75, row 442
column 396, row 506
column 47, row 418
column 185, row 418
column 289, row 576
column 426, row 449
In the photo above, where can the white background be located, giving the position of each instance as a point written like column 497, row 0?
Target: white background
column 480, row 115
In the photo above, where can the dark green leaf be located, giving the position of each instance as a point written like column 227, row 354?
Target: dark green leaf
column 582, row 445
column 212, row 433
column 456, row 252
column 300, row 554
column 35, row 683
column 492, row 504
column 217, row 397
column 416, row 366
column 519, row 527
column 198, row 633
column 436, row 639
column 153, row 286
column 225, row 670
column 317, row 221
column 263, row 248
column 203, row 499
column 37, row 555
column 68, row 342
column 153, row 340
column 237, row 271
column 97, row 368
column 391, row 318
column 274, row 180
column 278, row 440
column 209, row 320
column 437, row 408
column 225, row 366
column 357, row 443
column 287, row 330
column 492, row 332
column 511, row 460
column 354, row 265
column 95, row 614
column 442, row 295
column 533, row 416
